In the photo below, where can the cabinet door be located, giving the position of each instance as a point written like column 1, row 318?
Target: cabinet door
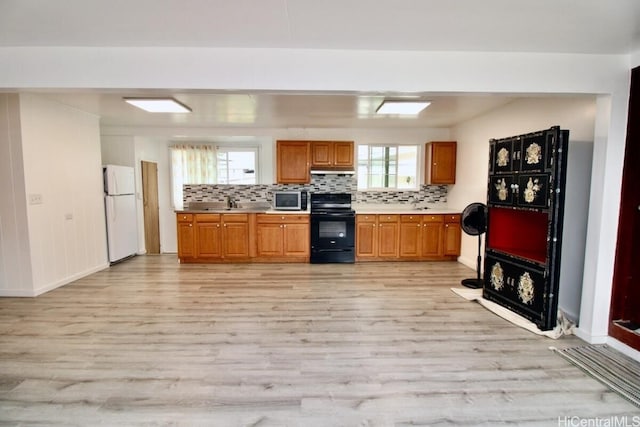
column 432, row 229
column 410, row 236
column 236, row 239
column 507, row 155
column 520, row 286
column 388, row 236
column 533, row 190
column 186, row 242
column 270, row 240
column 209, row 240
column 442, row 162
column 322, row 153
column 452, row 235
column 293, row 159
column 501, row 190
column 343, row 154
column 366, row 236
column 535, row 152
column 296, row 239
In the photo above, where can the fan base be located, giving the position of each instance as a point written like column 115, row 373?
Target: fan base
column 473, row 283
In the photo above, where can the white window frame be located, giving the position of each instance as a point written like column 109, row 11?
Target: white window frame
column 244, row 149
column 418, row 164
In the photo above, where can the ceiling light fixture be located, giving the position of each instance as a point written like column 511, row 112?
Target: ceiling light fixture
column 409, row 108
column 159, row 105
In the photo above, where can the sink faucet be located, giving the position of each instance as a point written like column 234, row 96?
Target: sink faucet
column 229, row 201
column 414, row 202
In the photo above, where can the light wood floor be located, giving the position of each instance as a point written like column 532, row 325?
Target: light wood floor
column 153, row 342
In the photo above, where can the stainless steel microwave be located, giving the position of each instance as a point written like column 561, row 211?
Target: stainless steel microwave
column 290, row 200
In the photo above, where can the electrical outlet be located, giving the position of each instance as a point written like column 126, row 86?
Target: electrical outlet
column 35, row 199
column 68, row 216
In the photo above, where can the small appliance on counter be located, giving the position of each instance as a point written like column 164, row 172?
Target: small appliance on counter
column 290, row 200
column 120, row 211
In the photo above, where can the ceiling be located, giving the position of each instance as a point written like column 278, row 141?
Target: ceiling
column 562, row 26
column 280, row 110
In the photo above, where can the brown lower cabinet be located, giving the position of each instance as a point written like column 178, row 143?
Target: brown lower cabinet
column 283, row 238
column 213, row 237
column 242, row 237
column 407, row 237
column 377, row 237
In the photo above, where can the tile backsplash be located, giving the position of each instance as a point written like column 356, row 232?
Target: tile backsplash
column 330, row 183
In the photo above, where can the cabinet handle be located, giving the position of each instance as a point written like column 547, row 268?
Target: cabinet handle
column 190, row 225
column 418, row 225
column 218, row 225
column 285, row 226
column 280, row 225
column 225, row 225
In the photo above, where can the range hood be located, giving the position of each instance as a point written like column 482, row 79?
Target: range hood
column 332, row 172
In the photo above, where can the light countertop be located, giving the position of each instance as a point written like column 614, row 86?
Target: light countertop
column 360, row 208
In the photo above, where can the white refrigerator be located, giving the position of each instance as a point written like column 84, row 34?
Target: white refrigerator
column 120, row 209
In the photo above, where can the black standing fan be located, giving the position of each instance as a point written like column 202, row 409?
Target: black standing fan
column 474, row 222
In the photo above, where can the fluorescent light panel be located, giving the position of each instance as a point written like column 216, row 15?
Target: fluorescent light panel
column 402, row 107
column 159, row 105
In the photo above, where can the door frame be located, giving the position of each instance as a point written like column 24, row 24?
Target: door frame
column 624, row 292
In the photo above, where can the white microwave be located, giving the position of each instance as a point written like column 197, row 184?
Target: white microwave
column 290, row 200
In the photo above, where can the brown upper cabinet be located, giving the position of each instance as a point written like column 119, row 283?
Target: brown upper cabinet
column 293, row 162
column 440, row 162
column 332, row 154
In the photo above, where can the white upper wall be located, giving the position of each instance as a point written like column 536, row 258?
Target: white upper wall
column 62, row 164
column 15, row 253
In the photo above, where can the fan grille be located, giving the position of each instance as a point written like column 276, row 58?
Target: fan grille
column 474, row 219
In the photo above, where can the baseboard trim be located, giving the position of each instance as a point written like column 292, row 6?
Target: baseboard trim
column 623, row 348
column 22, row 293
column 67, row 280
column 591, row 339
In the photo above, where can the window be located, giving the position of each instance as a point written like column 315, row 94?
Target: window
column 236, row 165
column 387, row 167
column 208, row 164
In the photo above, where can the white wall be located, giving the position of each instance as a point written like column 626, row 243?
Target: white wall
column 15, row 259
column 118, row 150
column 61, row 155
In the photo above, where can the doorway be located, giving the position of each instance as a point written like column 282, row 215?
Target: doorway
column 625, row 312
column 151, row 208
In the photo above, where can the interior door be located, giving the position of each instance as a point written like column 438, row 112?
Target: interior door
column 625, row 311
column 151, row 208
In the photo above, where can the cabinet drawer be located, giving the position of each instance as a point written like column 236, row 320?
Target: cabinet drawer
column 452, row 218
column 235, row 217
column 365, row 218
column 185, row 217
column 388, row 218
column 278, row 219
column 202, row 217
column 433, row 218
column 410, row 218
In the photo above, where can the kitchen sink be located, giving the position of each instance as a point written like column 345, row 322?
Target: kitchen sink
column 223, row 207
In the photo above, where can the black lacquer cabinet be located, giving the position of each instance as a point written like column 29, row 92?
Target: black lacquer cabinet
column 525, row 198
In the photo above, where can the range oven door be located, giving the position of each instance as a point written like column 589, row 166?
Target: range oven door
column 333, row 237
